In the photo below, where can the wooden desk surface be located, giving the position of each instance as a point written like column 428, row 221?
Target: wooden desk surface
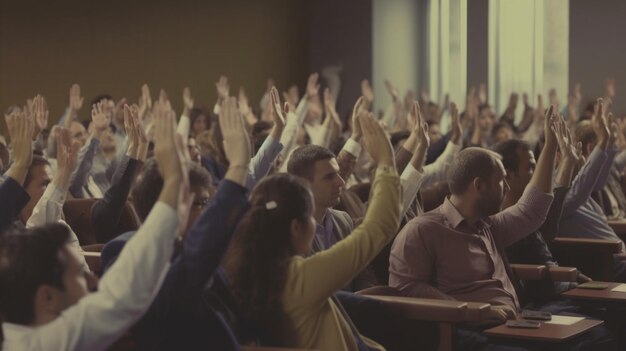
column 597, row 295
column 547, row 332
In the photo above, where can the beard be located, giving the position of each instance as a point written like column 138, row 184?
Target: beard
column 489, row 204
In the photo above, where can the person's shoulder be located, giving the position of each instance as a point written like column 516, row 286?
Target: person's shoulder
column 340, row 215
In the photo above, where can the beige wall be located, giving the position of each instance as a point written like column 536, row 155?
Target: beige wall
column 115, row 46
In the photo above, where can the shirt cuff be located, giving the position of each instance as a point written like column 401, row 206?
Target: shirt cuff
column 410, row 173
column 389, row 170
column 216, row 109
column 353, row 147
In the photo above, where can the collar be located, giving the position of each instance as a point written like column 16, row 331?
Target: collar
column 455, row 218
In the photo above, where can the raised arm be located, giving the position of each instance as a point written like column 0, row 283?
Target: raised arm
column 15, row 197
column 184, row 124
column 129, row 286
column 207, row 241
column 106, row 212
column 100, row 122
column 411, row 177
column 352, row 149
column 529, row 213
column 327, row 271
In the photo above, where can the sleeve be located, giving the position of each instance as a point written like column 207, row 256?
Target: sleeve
column 584, row 182
column 207, row 241
column 523, row 218
column 49, row 209
column 124, row 293
column 605, row 171
column 437, row 170
column 183, row 127
column 106, row 212
column 550, row 227
column 347, row 158
column 262, row 162
column 310, row 276
column 411, row 180
column 403, row 157
column 412, row 262
column 14, row 199
column 620, row 161
column 85, row 163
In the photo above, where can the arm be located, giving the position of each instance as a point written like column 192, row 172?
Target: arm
column 550, row 227
column 263, row 160
column 605, row 171
column 85, row 162
column 352, row 254
column 412, row 180
column 106, row 212
column 584, row 182
column 352, row 148
column 437, row 170
column 124, row 293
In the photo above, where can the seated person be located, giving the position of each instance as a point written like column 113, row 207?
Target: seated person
column 194, row 308
column 582, row 215
column 456, row 252
column 44, row 300
column 288, row 296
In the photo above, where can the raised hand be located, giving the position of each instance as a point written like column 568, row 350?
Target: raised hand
column 222, row 88
column 614, row 132
column 457, row 129
column 236, row 142
column 610, row 88
column 549, row 126
column 330, row 109
column 76, row 101
column 100, row 120
column 421, row 127
column 312, row 88
column 145, row 102
column 600, row 125
column 375, row 141
column 569, row 149
column 359, row 107
column 391, row 90
column 367, row 92
column 187, row 101
column 20, row 126
column 39, row 110
column 170, row 159
column 67, row 154
column 482, row 93
column 278, row 114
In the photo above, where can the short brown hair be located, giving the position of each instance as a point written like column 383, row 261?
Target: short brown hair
column 302, row 160
column 471, row 163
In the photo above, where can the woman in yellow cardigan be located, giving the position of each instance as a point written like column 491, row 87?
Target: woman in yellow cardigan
column 289, row 297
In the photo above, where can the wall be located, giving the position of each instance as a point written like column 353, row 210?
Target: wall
column 477, row 43
column 341, row 34
column 118, row 45
column 597, row 47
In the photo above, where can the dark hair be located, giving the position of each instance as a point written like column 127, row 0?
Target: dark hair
column 470, row 163
column 302, row 160
column 99, row 98
column 585, row 134
column 201, row 111
column 508, row 149
column 37, row 161
column 397, row 137
column 29, row 258
column 259, row 256
column 500, row 125
column 147, row 188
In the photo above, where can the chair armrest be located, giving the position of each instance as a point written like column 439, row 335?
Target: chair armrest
column 562, row 274
column 618, row 226
column 93, row 247
column 430, row 309
column 529, row 271
column 94, row 261
column 606, row 245
column 380, row 290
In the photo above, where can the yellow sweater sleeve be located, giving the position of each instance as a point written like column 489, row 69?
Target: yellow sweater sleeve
column 317, row 277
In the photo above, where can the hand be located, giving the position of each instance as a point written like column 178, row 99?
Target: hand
column 312, row 88
column 100, row 120
column 222, row 88
column 539, row 111
column 577, row 93
column 40, row 112
column 278, row 114
column 570, row 150
column 236, row 141
column 420, row 128
column 501, row 313
column 375, row 140
column 367, row 92
column 329, row 107
column 614, row 131
column 457, row 129
column 549, row 126
column 358, row 108
column 20, row 126
column 610, row 87
column 554, row 100
column 391, row 90
column 482, row 93
column 600, row 126
column 187, row 101
column 67, row 154
column 145, row 101
column 131, row 132
column 118, row 112
column 424, row 95
column 76, row 101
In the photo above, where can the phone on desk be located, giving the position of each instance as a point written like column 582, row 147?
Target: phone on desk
column 593, row 285
column 537, row 315
column 523, row 324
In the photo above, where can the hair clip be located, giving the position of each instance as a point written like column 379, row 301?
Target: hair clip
column 270, row 205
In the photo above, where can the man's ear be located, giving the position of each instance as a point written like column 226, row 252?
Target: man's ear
column 477, row 184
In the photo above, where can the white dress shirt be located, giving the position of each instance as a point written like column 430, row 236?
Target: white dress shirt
column 123, row 295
